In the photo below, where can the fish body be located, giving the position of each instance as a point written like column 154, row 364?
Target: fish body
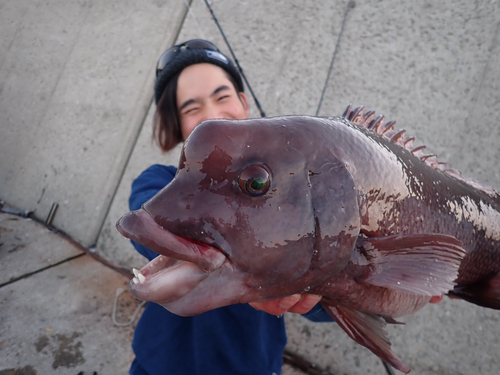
column 343, row 207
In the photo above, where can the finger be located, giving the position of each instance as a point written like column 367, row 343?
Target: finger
column 277, row 306
column 256, row 305
column 306, row 303
column 436, row 299
column 288, row 302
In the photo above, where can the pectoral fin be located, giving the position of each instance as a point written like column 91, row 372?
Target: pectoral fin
column 367, row 330
column 425, row 264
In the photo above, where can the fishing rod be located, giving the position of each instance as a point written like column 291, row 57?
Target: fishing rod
column 262, row 113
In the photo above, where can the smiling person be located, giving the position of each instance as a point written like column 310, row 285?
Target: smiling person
column 195, row 82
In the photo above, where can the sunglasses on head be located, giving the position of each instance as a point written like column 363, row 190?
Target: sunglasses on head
column 172, row 52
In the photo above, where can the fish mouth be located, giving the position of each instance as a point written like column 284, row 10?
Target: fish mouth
column 181, row 266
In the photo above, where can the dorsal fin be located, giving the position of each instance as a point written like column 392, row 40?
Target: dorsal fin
column 376, row 124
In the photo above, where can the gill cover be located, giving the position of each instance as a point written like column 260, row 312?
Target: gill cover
column 336, row 215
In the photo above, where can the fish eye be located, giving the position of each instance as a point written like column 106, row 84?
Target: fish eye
column 254, row 180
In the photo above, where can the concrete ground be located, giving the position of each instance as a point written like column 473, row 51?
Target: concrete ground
column 76, row 84
column 56, row 304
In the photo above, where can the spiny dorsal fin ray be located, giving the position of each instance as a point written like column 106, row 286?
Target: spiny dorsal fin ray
column 376, row 124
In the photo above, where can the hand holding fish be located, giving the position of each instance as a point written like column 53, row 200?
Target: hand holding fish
column 296, row 303
column 300, row 304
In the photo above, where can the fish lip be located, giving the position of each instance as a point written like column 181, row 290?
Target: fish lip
column 181, row 266
column 140, row 227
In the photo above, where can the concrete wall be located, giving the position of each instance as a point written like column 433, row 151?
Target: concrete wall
column 75, row 86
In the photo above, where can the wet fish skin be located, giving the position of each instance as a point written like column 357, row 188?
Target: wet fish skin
column 206, row 193
column 357, row 215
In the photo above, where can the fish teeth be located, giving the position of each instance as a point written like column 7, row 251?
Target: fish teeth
column 139, row 277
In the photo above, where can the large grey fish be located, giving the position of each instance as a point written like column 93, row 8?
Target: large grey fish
column 344, row 207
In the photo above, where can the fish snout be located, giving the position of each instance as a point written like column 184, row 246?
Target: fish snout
column 140, row 227
column 129, row 225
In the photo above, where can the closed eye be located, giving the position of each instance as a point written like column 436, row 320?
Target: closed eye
column 190, row 110
column 190, row 104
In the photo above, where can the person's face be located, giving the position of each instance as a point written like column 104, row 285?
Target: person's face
column 205, row 92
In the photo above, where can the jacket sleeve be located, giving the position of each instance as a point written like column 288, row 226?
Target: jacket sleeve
column 145, row 187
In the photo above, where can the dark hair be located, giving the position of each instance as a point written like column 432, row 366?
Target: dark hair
column 166, row 122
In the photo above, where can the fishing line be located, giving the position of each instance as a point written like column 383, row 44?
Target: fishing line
column 262, row 113
column 351, row 4
column 132, row 318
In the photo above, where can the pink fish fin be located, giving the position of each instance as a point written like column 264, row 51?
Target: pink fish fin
column 367, row 330
column 484, row 293
column 424, row 264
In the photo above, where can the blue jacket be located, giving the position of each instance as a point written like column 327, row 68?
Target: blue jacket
column 235, row 339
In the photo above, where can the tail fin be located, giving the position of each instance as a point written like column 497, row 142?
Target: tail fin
column 484, row 293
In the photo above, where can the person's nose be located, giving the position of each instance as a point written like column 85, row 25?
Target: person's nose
column 212, row 112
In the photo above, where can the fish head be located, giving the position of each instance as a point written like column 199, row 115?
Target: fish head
column 257, row 208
